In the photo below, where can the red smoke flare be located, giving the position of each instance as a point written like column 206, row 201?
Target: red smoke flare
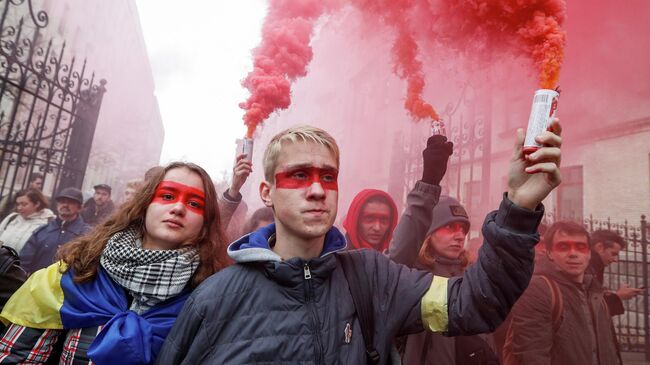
column 282, row 57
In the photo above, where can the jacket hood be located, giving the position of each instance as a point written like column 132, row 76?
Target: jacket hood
column 44, row 213
column 255, row 247
column 352, row 218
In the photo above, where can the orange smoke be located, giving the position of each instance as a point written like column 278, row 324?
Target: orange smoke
column 545, row 42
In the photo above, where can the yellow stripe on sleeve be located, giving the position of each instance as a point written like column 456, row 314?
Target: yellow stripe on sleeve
column 434, row 306
column 36, row 303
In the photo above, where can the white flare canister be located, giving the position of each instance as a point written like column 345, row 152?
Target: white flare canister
column 541, row 116
column 247, row 148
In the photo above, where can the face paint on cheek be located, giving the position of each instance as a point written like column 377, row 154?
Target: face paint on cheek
column 170, row 192
column 305, row 177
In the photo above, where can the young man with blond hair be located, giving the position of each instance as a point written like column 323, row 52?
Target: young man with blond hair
column 287, row 299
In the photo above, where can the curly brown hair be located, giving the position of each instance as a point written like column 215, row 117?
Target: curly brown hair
column 83, row 253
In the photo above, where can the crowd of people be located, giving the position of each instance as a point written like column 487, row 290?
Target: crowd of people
column 156, row 279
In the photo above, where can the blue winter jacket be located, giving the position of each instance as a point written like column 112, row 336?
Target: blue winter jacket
column 266, row 310
column 40, row 250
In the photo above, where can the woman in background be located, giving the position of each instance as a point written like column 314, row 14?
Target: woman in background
column 31, row 213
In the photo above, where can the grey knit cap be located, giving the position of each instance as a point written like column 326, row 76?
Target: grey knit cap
column 446, row 211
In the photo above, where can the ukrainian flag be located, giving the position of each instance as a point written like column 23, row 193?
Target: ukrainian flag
column 50, row 299
column 37, row 303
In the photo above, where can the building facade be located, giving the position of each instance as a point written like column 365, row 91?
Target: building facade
column 107, row 36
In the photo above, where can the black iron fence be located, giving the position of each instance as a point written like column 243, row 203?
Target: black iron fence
column 632, row 268
column 49, row 104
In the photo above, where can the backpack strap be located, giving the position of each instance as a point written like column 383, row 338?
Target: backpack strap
column 10, row 218
column 557, row 302
column 361, row 291
column 8, row 259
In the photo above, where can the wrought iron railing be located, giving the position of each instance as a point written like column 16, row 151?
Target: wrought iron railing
column 48, row 106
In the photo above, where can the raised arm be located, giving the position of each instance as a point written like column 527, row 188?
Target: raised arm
column 481, row 299
column 231, row 198
column 416, row 218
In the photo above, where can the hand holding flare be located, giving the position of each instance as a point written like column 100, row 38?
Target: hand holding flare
column 532, row 177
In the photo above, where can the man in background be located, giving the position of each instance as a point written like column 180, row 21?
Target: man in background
column 99, row 207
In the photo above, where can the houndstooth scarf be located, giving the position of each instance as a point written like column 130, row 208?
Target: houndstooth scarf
column 150, row 276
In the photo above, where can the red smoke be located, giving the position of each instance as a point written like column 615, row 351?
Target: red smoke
column 533, row 27
column 282, row 57
column 396, row 14
column 408, row 67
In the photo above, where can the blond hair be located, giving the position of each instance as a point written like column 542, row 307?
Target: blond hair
column 304, row 133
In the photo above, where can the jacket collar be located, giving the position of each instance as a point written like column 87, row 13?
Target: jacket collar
column 75, row 225
column 447, row 267
column 44, row 213
column 548, row 268
column 255, row 247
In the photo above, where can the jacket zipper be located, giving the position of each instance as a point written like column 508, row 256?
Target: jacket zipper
column 312, row 308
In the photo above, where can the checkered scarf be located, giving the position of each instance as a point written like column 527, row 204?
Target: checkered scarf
column 150, row 276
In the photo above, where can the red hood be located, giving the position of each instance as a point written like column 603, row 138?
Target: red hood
column 351, row 219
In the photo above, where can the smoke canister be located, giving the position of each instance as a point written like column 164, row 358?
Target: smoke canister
column 247, row 148
column 541, row 116
column 438, row 127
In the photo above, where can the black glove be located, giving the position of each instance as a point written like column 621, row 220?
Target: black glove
column 435, row 158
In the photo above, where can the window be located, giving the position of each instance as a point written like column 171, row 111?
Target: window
column 570, row 194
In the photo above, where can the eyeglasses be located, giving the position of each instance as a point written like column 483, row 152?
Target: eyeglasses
column 566, row 246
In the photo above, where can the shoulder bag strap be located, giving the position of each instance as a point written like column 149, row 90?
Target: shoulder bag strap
column 557, row 302
column 360, row 289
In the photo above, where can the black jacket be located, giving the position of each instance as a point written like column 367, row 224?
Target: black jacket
column 266, row 310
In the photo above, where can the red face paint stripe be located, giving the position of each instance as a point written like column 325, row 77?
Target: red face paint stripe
column 566, row 246
column 375, row 217
column 171, row 192
column 302, row 178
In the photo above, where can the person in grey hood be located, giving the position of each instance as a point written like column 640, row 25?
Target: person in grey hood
column 287, row 299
